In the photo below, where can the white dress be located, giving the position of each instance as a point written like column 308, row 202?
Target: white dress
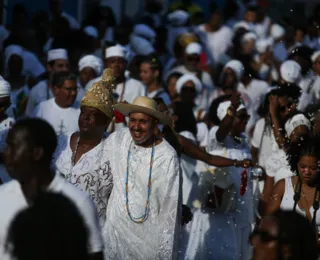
column 92, row 173
column 63, row 120
column 158, row 236
column 5, row 126
column 223, row 235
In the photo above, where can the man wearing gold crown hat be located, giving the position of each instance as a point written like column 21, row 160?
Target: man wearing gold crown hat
column 81, row 157
column 143, row 215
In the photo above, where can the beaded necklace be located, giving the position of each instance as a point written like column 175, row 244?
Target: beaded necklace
column 144, row 217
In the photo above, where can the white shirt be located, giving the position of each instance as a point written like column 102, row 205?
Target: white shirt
column 263, row 139
column 256, row 91
column 160, row 93
column 218, row 42
column 5, row 126
column 63, row 120
column 157, row 237
column 277, row 166
column 12, row 200
column 92, row 173
column 232, row 149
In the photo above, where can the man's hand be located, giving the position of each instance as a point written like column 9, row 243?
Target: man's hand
column 273, row 105
column 244, row 163
column 235, row 100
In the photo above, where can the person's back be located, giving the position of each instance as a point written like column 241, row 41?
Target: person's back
column 51, row 228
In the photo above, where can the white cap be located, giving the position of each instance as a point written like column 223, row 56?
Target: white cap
column 188, row 77
column 57, row 54
column 263, row 44
column 116, row 51
column 236, row 66
column 141, row 46
column 223, row 108
column 315, row 56
column 277, row 31
column 193, row 48
column 296, row 121
column 144, row 31
column 13, row 50
column 290, row 71
column 93, row 62
column 5, row 88
column 178, row 18
column 91, row 31
column 241, row 24
column 248, row 36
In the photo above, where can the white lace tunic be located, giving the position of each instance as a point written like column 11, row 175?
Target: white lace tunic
column 158, row 236
column 92, row 173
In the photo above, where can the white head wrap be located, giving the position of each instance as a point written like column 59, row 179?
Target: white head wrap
column 141, row 46
column 241, row 24
column 277, row 31
column 296, row 121
column 290, row 71
column 5, row 88
column 237, row 68
column 315, row 56
column 248, row 36
column 13, row 50
column 223, row 108
column 144, row 31
column 116, row 51
column 178, row 17
column 193, row 48
column 91, row 61
column 188, row 77
column 91, row 31
column 263, row 44
column 57, row 54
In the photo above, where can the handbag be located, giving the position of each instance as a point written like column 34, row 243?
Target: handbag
column 216, row 191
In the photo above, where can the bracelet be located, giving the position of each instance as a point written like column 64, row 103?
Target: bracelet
column 230, row 112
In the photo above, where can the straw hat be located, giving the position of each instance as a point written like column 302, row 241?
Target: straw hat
column 146, row 106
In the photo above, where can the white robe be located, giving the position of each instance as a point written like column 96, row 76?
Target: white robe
column 63, row 120
column 157, row 237
column 92, row 173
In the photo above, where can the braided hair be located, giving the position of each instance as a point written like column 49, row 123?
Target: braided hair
column 307, row 147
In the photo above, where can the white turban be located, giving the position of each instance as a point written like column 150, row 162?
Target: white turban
column 178, row 18
column 241, row 24
column 315, row 56
column 263, row 44
column 296, row 121
column 91, row 61
column 248, row 36
column 141, row 46
column 236, row 66
column 5, row 88
column 223, row 108
column 290, row 71
column 116, row 51
column 193, row 48
column 91, row 31
column 188, row 77
column 144, row 31
column 57, row 54
column 277, row 31
column 13, row 50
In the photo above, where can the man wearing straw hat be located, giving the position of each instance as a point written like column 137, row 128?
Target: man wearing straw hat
column 143, row 214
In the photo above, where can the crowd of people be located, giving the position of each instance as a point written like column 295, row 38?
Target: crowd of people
column 169, row 136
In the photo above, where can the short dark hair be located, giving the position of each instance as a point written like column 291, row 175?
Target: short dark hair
column 186, row 120
column 40, row 134
column 60, row 77
column 51, row 221
column 175, row 74
column 155, row 64
column 289, row 90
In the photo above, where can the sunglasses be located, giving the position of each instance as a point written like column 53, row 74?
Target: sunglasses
column 264, row 236
column 188, row 89
column 284, row 108
column 190, row 58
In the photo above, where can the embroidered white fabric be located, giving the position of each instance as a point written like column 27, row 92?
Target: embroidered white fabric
column 158, row 236
column 92, row 173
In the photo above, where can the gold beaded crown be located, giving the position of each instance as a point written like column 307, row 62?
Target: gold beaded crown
column 99, row 94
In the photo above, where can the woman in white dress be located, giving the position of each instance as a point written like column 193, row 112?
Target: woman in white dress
column 81, row 157
column 300, row 193
column 224, row 235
